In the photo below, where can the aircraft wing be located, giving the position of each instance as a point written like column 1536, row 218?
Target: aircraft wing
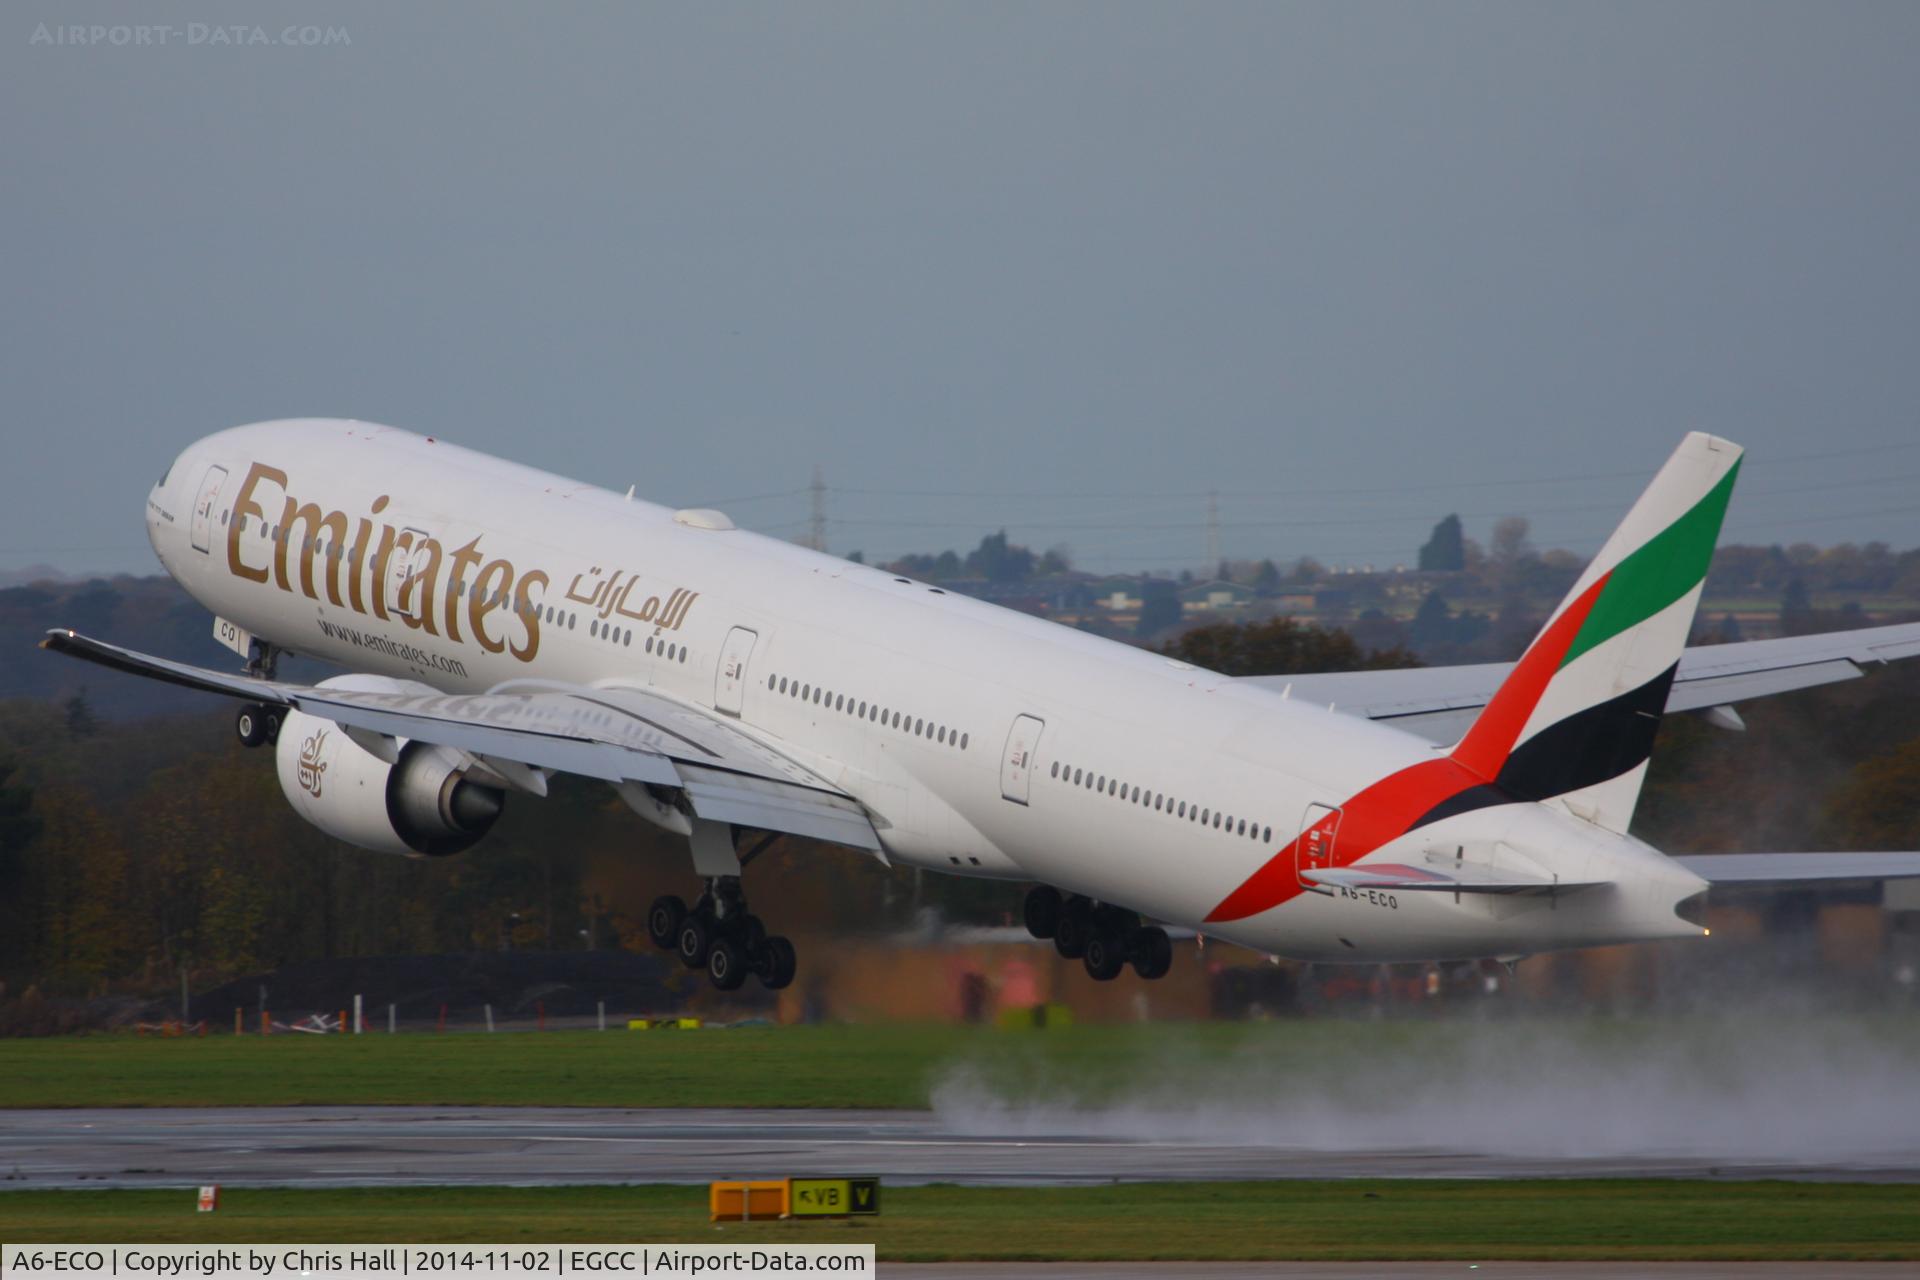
column 1439, row 703
column 615, row 735
column 1455, row 878
column 1788, row 870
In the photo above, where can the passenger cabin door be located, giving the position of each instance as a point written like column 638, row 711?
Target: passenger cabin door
column 1313, row 851
column 1016, row 766
column 405, row 588
column 730, row 681
column 203, row 504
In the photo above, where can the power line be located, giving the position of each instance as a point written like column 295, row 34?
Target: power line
column 1174, row 494
column 755, row 497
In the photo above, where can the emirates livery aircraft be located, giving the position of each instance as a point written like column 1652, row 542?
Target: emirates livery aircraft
column 504, row 624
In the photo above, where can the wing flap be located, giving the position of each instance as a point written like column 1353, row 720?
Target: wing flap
column 767, row 805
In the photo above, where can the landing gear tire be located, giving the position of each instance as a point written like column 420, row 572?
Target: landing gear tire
column 273, row 725
column 251, row 725
column 726, row 965
column 694, row 943
column 751, row 934
column 664, row 919
column 1042, row 910
column 779, row 963
column 1104, row 958
column 1150, row 952
column 1074, row 927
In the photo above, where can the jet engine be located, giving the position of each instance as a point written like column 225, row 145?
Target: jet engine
column 422, row 803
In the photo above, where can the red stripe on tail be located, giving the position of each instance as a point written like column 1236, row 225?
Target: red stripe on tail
column 1490, row 741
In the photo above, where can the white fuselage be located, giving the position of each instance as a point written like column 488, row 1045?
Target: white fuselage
column 397, row 554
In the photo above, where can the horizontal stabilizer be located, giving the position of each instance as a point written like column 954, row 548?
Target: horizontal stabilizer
column 1455, row 879
column 1789, row 869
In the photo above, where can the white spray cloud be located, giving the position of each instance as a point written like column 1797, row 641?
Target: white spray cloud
column 1828, row 1092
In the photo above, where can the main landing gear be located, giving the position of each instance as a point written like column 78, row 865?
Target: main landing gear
column 720, row 935
column 256, row 724
column 1105, row 938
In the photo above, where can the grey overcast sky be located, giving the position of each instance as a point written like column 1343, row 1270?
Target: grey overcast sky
column 1063, row 267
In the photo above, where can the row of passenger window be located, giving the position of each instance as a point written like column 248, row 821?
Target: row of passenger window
column 624, row 636
column 1159, row 802
column 873, row 712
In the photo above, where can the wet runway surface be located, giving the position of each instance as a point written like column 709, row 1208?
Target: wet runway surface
column 363, row 1146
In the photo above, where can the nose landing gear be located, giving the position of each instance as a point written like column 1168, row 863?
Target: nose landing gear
column 1105, row 938
column 719, row 934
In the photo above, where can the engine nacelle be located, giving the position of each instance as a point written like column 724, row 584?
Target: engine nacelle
column 421, row 804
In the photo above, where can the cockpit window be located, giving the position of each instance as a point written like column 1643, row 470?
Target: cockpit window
column 163, row 476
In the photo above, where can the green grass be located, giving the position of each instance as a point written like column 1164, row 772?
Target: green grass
column 845, row 1066
column 770, row 1067
column 827, row 1066
column 1245, row 1220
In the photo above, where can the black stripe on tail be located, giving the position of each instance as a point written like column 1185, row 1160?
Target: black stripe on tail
column 1589, row 747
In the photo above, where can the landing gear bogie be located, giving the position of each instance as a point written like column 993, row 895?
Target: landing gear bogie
column 718, row 934
column 1103, row 937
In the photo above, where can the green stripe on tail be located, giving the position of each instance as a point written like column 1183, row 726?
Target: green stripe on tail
column 1661, row 571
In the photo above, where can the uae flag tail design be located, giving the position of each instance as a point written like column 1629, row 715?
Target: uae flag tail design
column 1574, row 721
column 1576, row 718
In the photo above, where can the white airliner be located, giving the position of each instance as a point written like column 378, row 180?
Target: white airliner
column 506, row 623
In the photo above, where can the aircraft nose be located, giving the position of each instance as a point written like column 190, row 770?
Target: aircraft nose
column 163, row 509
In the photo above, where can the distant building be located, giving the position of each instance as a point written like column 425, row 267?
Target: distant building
column 1117, row 594
column 1216, row 596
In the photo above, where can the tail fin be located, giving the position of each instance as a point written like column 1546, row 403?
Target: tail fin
column 1576, row 718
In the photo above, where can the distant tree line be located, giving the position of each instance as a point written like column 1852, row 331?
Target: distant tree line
column 995, row 560
column 131, row 850
column 1277, row 647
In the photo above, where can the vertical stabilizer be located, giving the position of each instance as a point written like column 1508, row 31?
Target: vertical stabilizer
column 1576, row 718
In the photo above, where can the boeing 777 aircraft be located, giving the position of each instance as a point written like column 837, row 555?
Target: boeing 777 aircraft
column 504, row 624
